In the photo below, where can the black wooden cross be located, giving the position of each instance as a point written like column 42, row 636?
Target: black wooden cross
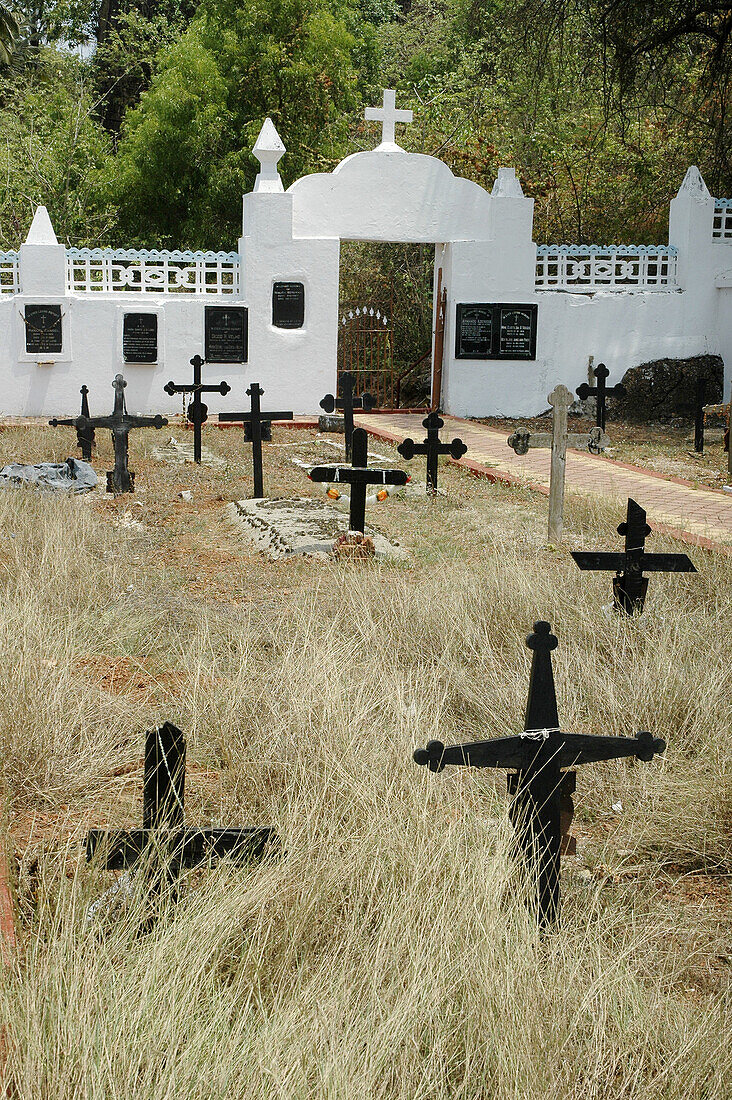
column 601, row 392
column 629, row 584
column 358, row 476
column 256, row 419
column 120, row 423
column 84, row 436
column 197, row 411
column 347, row 403
column 163, row 839
column 432, row 448
column 541, row 788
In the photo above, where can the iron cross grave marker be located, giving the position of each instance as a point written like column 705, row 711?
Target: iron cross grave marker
column 629, row 584
column 358, row 476
column 601, row 392
column 432, row 448
column 121, row 479
column 164, row 844
column 347, row 403
column 84, row 436
column 541, row 785
column 256, row 419
column 197, row 411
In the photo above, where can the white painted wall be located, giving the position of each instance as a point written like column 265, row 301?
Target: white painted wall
column 484, row 248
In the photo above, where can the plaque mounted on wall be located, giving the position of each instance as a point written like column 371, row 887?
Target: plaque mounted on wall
column 226, row 334
column 288, row 305
column 474, row 334
column 140, row 338
column 495, row 330
column 43, row 331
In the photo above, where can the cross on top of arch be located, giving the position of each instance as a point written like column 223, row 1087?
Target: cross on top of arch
column 388, row 116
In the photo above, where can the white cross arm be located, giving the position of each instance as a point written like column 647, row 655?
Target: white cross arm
column 388, row 116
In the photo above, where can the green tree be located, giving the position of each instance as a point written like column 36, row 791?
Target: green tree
column 52, row 151
column 8, row 34
column 185, row 155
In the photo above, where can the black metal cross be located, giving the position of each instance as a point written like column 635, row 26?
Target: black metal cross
column 601, row 392
column 358, row 476
column 541, row 788
column 347, row 403
column 121, row 479
column 197, row 411
column 256, row 419
column 629, row 584
column 432, row 448
column 84, row 436
column 163, row 838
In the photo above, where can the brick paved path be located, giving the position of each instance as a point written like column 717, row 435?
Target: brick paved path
column 703, row 515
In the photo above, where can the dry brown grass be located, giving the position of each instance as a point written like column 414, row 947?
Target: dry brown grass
column 386, row 954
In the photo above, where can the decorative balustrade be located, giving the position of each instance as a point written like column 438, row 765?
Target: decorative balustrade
column 585, row 269
column 151, row 272
column 9, row 273
column 722, row 224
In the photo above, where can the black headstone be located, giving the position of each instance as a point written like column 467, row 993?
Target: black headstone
column 288, row 305
column 226, row 333
column 140, row 338
column 517, row 332
column 474, row 332
column 43, row 331
column 495, row 330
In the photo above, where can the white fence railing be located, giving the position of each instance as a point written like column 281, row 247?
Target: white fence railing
column 152, row 272
column 9, row 273
column 722, row 225
column 588, row 268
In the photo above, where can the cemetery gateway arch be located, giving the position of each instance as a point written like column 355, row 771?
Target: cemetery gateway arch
column 386, row 195
column 518, row 319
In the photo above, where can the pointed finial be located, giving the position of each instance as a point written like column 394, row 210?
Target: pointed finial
column 268, row 149
column 41, row 230
column 694, row 184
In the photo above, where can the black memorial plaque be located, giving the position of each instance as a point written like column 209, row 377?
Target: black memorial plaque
column 288, row 305
column 517, row 332
column 474, row 336
column 226, row 330
column 43, row 332
column 497, row 330
column 140, row 338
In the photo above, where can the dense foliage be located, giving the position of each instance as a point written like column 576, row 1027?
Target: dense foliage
column 133, row 120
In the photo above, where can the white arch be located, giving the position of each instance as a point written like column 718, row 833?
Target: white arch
column 390, row 196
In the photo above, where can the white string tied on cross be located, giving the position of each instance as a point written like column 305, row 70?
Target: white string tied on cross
column 540, row 735
column 167, row 768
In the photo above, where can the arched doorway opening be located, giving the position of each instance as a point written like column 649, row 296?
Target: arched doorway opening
column 385, row 320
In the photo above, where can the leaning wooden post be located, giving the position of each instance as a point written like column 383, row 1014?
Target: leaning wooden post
column 560, row 399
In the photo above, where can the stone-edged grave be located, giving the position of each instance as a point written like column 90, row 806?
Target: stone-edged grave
column 304, row 526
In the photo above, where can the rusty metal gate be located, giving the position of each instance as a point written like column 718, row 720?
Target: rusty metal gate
column 366, row 349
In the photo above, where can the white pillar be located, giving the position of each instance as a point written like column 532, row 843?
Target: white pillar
column 42, row 259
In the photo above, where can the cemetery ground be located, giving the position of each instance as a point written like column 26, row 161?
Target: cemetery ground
column 666, row 449
column 385, row 951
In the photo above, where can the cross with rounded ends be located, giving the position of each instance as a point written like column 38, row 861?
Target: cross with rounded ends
column 388, row 116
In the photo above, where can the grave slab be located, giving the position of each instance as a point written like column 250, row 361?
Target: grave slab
column 302, row 526
column 180, row 452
